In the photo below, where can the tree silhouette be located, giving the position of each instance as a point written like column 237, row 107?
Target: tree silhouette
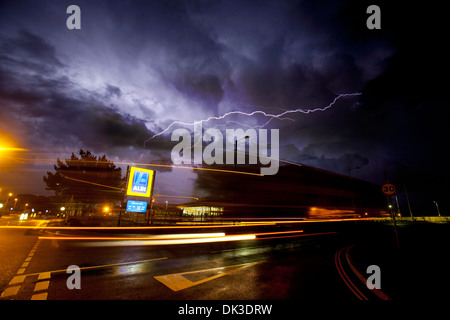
column 89, row 179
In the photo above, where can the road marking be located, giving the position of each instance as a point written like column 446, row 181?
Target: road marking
column 44, row 275
column 10, row 291
column 345, row 277
column 16, row 280
column 380, row 294
column 39, row 296
column 42, row 285
column 20, row 277
column 21, row 270
column 178, row 281
column 99, row 266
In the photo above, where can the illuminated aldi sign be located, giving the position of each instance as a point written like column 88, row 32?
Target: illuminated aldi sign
column 136, row 206
column 140, row 182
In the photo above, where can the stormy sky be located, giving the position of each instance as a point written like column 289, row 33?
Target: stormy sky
column 134, row 67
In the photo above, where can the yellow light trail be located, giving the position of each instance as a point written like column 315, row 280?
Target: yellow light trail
column 192, row 168
column 12, row 149
column 198, row 225
column 134, row 228
column 165, row 166
column 117, row 188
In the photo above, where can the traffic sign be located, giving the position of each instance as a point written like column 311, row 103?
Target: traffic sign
column 388, row 189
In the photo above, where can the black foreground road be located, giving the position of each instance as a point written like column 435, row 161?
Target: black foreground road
column 324, row 262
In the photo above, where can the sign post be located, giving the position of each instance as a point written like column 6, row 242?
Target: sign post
column 389, row 190
column 140, row 183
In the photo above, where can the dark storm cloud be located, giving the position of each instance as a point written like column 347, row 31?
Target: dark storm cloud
column 51, row 109
column 136, row 66
column 30, row 52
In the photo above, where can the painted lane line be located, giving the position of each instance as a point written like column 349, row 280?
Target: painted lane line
column 345, row 277
column 98, row 267
column 13, row 288
column 42, row 285
column 17, row 280
column 179, row 281
column 21, row 271
column 380, row 294
column 44, row 275
column 10, row 291
column 39, row 296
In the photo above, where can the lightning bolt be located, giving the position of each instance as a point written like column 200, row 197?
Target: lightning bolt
column 249, row 114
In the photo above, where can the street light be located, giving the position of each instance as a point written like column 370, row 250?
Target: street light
column 235, row 150
column 6, row 202
column 15, row 202
column 437, row 207
column 353, row 195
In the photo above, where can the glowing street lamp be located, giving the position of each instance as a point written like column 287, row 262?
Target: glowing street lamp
column 437, row 207
column 235, row 150
column 6, row 202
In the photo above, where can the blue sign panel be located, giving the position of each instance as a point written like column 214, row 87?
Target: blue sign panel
column 136, row 206
column 140, row 182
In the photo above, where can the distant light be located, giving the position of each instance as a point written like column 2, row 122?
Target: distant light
column 1, row 205
column 63, row 208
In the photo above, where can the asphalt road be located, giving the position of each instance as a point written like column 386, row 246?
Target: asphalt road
column 320, row 264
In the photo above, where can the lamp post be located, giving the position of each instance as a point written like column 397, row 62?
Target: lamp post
column 6, row 203
column 353, row 194
column 235, row 150
column 437, row 207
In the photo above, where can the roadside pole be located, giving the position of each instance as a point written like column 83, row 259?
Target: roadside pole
column 389, row 190
column 393, row 220
column 123, row 206
column 151, row 198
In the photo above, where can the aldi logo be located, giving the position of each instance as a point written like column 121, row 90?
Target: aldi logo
column 140, row 182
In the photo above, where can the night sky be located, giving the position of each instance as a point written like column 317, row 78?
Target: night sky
column 134, row 67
